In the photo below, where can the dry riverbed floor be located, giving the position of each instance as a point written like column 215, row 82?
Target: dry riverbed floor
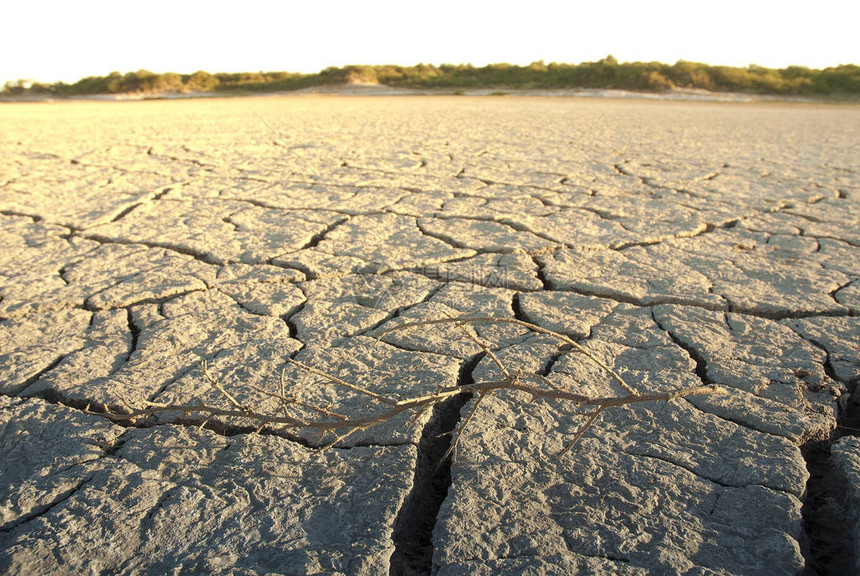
column 681, row 243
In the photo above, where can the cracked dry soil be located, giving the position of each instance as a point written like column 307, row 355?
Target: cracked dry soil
column 680, row 243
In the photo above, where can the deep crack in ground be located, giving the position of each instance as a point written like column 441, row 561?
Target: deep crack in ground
column 413, row 528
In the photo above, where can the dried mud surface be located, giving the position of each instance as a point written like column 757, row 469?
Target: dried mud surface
column 680, row 243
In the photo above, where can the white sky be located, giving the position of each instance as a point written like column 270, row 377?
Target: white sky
column 52, row 40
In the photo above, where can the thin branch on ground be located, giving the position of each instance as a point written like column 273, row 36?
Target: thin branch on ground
column 290, row 413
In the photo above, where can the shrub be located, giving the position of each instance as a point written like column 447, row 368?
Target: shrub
column 605, row 73
column 201, row 81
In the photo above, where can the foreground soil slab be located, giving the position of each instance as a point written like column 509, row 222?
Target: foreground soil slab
column 179, row 253
column 83, row 497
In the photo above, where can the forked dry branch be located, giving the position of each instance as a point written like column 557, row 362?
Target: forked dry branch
column 340, row 426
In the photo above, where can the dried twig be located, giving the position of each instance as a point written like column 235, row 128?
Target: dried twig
column 343, row 383
column 340, row 426
column 533, row 327
column 213, row 382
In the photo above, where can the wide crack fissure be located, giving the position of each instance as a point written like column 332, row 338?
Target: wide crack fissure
column 540, row 271
column 321, row 235
column 290, row 320
column 135, row 330
column 826, row 543
column 701, row 369
column 413, row 527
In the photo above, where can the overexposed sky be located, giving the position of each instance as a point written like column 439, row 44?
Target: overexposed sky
column 51, row 40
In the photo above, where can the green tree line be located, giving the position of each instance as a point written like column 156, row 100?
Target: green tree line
column 606, row 73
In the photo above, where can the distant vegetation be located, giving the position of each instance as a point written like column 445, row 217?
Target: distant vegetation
column 608, row 73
